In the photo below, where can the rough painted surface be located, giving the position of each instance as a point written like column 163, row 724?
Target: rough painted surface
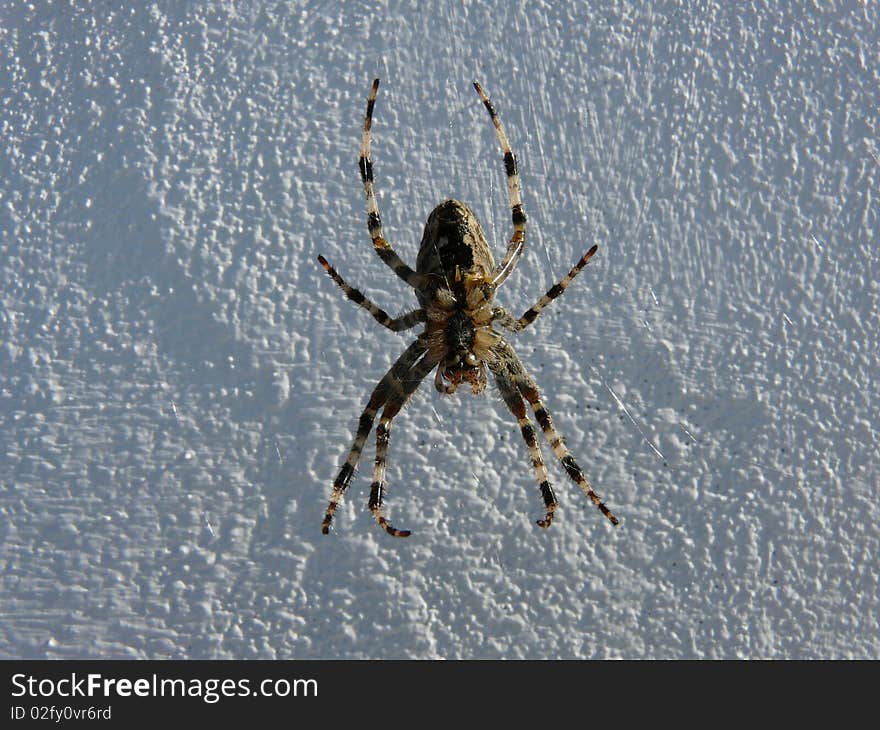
column 179, row 379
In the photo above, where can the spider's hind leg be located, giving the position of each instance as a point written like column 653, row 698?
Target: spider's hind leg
column 517, row 241
column 374, row 221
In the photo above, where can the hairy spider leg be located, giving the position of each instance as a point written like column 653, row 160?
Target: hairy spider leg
column 411, row 382
column 374, row 222
column 398, row 324
column 517, row 241
column 529, row 390
column 512, row 397
column 554, row 291
column 390, row 383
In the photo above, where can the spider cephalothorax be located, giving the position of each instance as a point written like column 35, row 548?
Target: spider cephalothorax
column 455, row 281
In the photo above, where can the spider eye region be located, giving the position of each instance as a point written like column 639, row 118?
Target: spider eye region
column 454, row 372
column 461, row 363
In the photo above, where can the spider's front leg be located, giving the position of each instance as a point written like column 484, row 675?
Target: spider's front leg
column 383, row 435
column 392, row 381
column 527, row 387
column 502, row 369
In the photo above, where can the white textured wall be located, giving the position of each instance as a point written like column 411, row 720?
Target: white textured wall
column 179, row 380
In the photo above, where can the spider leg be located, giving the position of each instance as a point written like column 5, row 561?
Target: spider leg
column 554, row 291
column 392, row 381
column 374, row 222
column 398, row 324
column 506, row 320
column 515, row 246
column 517, row 406
column 383, row 433
column 529, row 390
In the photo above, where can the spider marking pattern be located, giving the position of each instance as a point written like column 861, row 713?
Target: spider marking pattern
column 455, row 281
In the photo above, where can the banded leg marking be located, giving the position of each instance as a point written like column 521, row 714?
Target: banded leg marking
column 398, row 324
column 517, row 241
column 554, row 291
column 390, row 382
column 517, row 407
column 383, row 434
column 377, row 490
column 374, row 221
column 530, row 392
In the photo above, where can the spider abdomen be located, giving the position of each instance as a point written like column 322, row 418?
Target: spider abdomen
column 454, row 245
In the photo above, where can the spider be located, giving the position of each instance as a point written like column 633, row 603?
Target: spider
column 455, row 281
